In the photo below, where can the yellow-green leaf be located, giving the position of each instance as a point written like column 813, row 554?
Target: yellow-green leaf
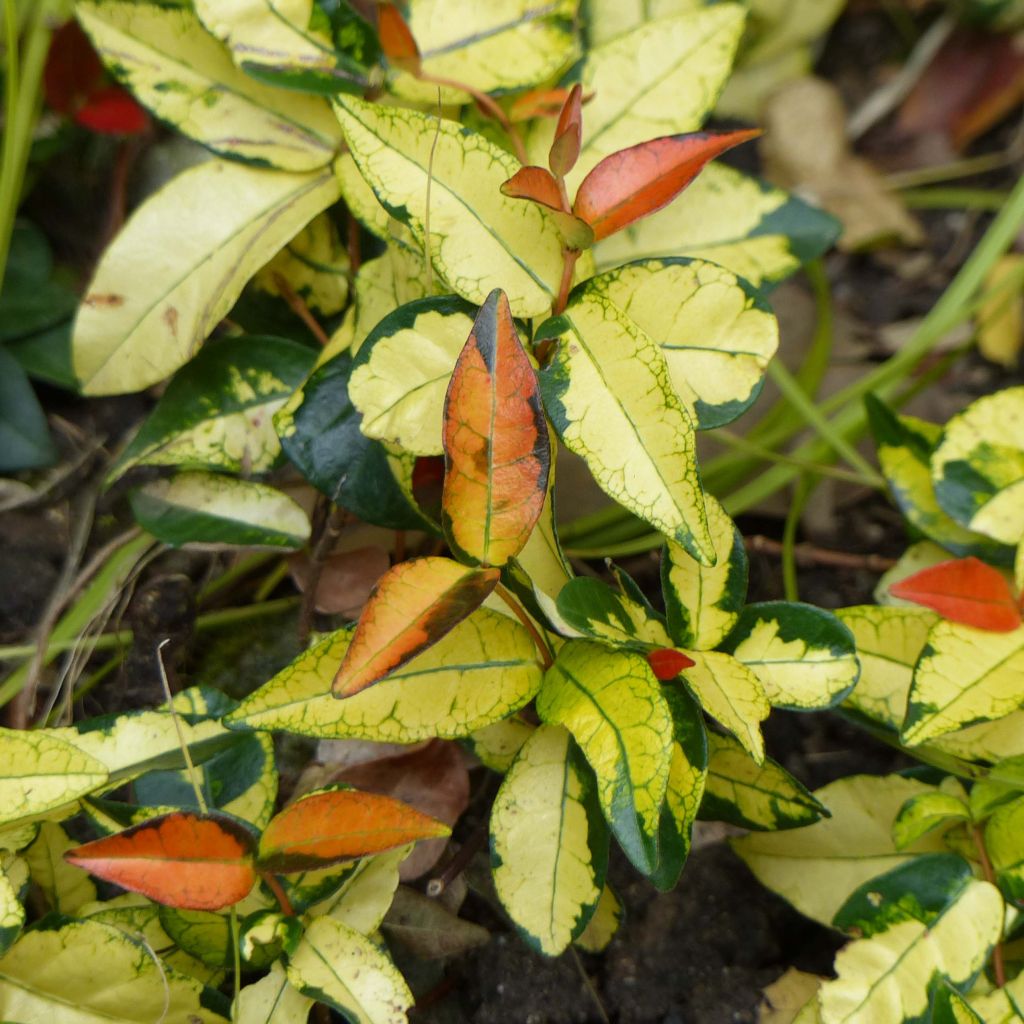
column 401, row 373
column 86, row 972
column 479, row 238
column 590, row 607
column 804, row 656
column 337, row 965
column 65, row 887
column 549, row 845
column 817, row 867
column 884, row 979
column 485, row 669
column 271, row 1000
column 612, row 704
column 543, row 559
column 978, row 467
column 964, row 675
column 758, row 232
column 752, row 795
column 1002, row 1006
column 178, row 70
column 384, row 284
column 610, row 397
column 702, row 603
column 180, row 263
column 363, row 898
column 13, row 883
column 603, row 924
column 731, row 693
column 927, row 811
column 1004, row 841
column 497, row 745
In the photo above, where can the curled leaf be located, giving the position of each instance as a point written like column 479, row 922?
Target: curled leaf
column 565, row 149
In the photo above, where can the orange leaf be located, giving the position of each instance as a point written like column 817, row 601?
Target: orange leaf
column 497, row 452
column 396, row 39
column 666, row 662
column 342, row 824
column 186, row 860
column 637, row 181
column 412, row 607
column 536, row 183
column 963, row 590
column 565, row 149
column 537, row 103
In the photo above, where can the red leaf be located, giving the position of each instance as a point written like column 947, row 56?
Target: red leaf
column 326, row 827
column 667, row 663
column 565, row 149
column 73, row 69
column 396, row 39
column 112, row 111
column 636, row 181
column 963, row 590
column 535, row 183
column 186, row 860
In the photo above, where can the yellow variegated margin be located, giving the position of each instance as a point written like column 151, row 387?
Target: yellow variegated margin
column 920, row 814
column 485, row 669
column 178, row 70
column 362, row 900
column 400, row 381
column 609, row 393
column 996, row 1007
column 662, row 78
column 760, row 233
column 964, row 675
column 490, row 47
column 717, row 334
column 883, row 979
column 702, row 603
column 1004, row 841
column 65, row 887
column 817, row 867
column 548, row 864
column 542, row 558
column 180, row 263
column 479, row 238
column 978, row 467
column 498, row 744
column 67, row 972
column 271, row 1000
column 612, row 704
column 731, row 693
column 274, row 32
column 13, row 881
column 603, row 924
column 398, row 276
column 335, row 964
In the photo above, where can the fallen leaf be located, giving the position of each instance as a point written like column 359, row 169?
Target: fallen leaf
column 346, row 579
column 427, row 929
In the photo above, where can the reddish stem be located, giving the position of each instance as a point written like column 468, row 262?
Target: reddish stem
column 998, row 961
column 520, row 613
column 300, row 309
column 569, row 257
column 279, row 894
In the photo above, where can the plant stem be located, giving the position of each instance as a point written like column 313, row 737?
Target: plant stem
column 298, row 306
column 569, row 258
column 998, row 962
column 801, row 493
column 809, row 554
column 279, row 894
column 989, row 199
column 520, row 612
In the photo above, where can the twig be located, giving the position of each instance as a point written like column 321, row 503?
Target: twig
column 542, row 645
column 298, row 306
column 809, row 554
column 998, row 961
column 190, row 768
column 327, row 526
column 589, row 985
column 279, row 894
column 569, row 258
column 469, row 849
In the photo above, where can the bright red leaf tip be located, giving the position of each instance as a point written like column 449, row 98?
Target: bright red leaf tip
column 112, row 111
column 185, row 860
column 396, row 39
column 963, row 590
column 565, row 149
column 639, row 180
column 667, row 663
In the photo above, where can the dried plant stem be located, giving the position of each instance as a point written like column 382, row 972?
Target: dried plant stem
column 298, row 306
column 809, row 554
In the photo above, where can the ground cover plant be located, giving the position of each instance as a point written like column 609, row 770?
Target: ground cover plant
column 427, row 255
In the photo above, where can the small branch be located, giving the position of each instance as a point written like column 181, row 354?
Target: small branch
column 469, row 849
column 298, row 306
column 998, row 961
column 327, row 526
column 354, row 246
column 569, row 257
column 520, row 612
column 809, row 554
column 279, row 894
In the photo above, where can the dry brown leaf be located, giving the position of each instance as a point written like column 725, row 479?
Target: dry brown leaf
column 346, row 579
column 428, row 929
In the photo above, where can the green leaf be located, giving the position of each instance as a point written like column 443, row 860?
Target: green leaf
column 978, row 466
column 200, row 933
column 804, row 656
column 1004, row 841
column 217, row 412
column 816, row 867
column 24, row 436
column 920, row 814
column 949, row 1007
column 592, row 608
column 320, row 432
column 611, row 400
column 905, row 445
column 401, row 374
column 65, row 887
column 755, row 796
column 337, row 965
column 201, row 508
column 179, row 264
column 13, row 889
column 612, row 704
column 479, row 238
column 482, row 671
column 549, row 844
column 731, row 693
column 87, row 972
column 758, row 232
column 272, row 1000
column 186, row 78
column 964, row 675
column 703, row 603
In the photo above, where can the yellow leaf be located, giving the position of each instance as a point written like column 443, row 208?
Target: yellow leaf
column 603, row 924
column 398, row 276
column 13, row 879
column 927, row 811
column 362, row 900
column 65, row 886
column 1001, row 319
column 479, row 238
column 271, row 1000
column 180, row 263
column 548, row 862
column 784, row 1000
column 608, row 19
column 178, row 70
column 498, row 744
column 1004, row 841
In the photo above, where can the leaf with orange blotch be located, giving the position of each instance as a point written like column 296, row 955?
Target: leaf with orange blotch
column 565, row 149
column 183, row 859
column 497, row 451
column 412, row 607
column 963, row 590
column 666, row 662
column 634, row 182
column 396, row 39
column 539, row 186
column 333, row 825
